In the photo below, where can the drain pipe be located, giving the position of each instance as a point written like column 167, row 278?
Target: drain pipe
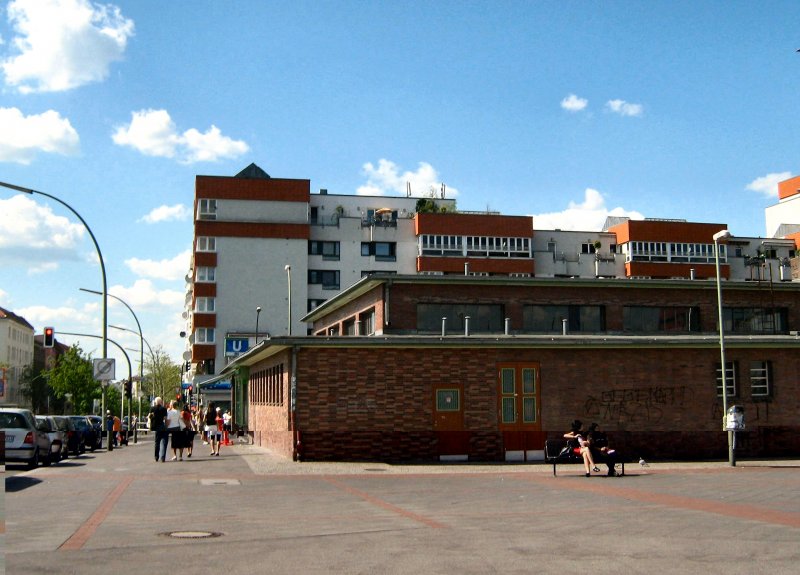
column 444, row 326
column 564, row 326
column 466, row 326
column 297, row 447
column 508, row 325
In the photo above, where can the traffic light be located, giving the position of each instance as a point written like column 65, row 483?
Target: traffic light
column 49, row 337
column 188, row 366
column 128, row 388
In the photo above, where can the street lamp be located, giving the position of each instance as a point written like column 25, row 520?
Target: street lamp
column 141, row 348
column 141, row 358
column 288, row 269
column 723, row 234
column 258, row 313
column 104, row 293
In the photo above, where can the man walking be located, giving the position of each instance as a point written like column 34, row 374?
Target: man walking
column 158, row 423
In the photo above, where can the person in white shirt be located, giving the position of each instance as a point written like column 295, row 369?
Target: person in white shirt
column 174, row 422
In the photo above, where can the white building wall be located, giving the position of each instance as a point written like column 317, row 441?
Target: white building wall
column 786, row 211
column 16, row 353
column 259, row 211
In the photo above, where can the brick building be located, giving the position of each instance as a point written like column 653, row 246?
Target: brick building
column 486, row 368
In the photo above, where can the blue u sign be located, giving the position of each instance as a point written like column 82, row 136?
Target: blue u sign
column 236, row 345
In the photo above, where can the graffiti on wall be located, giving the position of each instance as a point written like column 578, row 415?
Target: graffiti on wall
column 635, row 405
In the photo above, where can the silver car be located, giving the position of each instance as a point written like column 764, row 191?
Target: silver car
column 26, row 440
column 58, row 437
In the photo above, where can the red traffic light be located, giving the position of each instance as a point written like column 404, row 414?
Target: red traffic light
column 49, row 337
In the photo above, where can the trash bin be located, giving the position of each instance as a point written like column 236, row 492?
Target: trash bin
column 734, row 419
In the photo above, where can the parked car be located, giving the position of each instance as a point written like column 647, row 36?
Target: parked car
column 58, row 438
column 99, row 430
column 74, row 441
column 86, row 432
column 26, row 440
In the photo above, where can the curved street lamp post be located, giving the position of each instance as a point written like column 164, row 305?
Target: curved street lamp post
column 104, row 293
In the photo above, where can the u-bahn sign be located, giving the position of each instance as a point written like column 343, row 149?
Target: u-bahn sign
column 236, row 345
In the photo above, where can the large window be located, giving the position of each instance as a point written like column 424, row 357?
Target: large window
column 328, row 250
column 206, row 244
column 550, row 318
column 660, row 319
column 761, row 378
column 204, row 335
column 731, row 367
column 207, row 210
column 205, row 274
column 328, row 278
column 383, row 251
column 483, row 318
column 754, row 320
column 205, row 305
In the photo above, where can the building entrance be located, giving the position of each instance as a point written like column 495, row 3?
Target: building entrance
column 519, row 411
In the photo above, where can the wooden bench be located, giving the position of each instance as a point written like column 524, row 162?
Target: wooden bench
column 555, row 453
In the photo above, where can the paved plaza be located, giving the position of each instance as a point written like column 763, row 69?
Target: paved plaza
column 248, row 511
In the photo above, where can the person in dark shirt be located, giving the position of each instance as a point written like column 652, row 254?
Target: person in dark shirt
column 158, row 416
column 598, row 444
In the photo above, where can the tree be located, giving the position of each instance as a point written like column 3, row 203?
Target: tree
column 162, row 375
column 34, row 388
column 73, row 375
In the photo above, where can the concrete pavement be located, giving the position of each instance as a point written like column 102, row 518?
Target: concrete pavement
column 248, row 511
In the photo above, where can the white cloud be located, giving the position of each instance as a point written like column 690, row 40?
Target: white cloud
column 768, row 185
column 153, row 133
column 624, row 108
column 34, row 237
column 5, row 298
column 573, row 103
column 23, row 136
column 171, row 269
column 589, row 215
column 386, row 179
column 178, row 212
column 144, row 294
column 63, row 44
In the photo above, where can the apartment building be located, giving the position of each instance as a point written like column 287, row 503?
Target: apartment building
column 16, row 353
column 267, row 251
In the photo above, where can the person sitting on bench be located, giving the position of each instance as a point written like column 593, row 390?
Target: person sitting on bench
column 580, row 442
column 598, row 446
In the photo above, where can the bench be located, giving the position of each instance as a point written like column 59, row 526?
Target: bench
column 554, row 453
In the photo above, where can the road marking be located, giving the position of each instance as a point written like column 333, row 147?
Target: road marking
column 78, row 539
column 385, row 504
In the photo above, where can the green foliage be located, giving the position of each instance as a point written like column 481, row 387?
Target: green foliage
column 34, row 388
column 162, row 376
column 73, row 375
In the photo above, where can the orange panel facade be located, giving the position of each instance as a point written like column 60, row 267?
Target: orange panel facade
column 665, row 231
column 273, row 189
column 666, row 270
column 218, row 229
column 789, row 187
column 473, row 225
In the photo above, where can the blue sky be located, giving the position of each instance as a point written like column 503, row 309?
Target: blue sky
column 567, row 111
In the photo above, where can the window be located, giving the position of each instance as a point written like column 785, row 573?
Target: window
column 383, row 251
column 484, row 318
column 754, row 320
column 730, row 378
column 328, row 250
column 205, row 274
column 660, row 319
column 313, row 304
column 550, row 318
column 447, row 400
column 204, row 335
column 328, row 278
column 207, row 210
column 761, row 378
column 206, row 244
column 368, row 322
column 204, row 305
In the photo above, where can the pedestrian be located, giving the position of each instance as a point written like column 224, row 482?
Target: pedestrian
column 212, row 413
column 117, row 429
column 226, row 426
column 188, row 430
column 202, row 424
column 158, row 423
column 110, row 428
column 175, row 433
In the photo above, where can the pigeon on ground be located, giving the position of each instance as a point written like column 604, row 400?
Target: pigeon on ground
column 643, row 463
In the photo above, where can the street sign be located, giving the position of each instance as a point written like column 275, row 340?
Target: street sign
column 236, row 345
column 103, row 369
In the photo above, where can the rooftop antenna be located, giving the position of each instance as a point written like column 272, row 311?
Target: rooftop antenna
column 408, row 189
column 443, row 190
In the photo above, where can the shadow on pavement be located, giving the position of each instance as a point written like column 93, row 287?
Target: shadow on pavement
column 18, row 483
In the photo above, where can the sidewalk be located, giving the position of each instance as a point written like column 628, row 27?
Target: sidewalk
column 249, row 511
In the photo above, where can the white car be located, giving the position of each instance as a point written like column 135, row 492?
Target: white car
column 26, row 440
column 58, row 437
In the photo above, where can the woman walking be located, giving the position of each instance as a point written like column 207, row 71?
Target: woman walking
column 211, row 428
column 188, row 430
column 174, row 428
